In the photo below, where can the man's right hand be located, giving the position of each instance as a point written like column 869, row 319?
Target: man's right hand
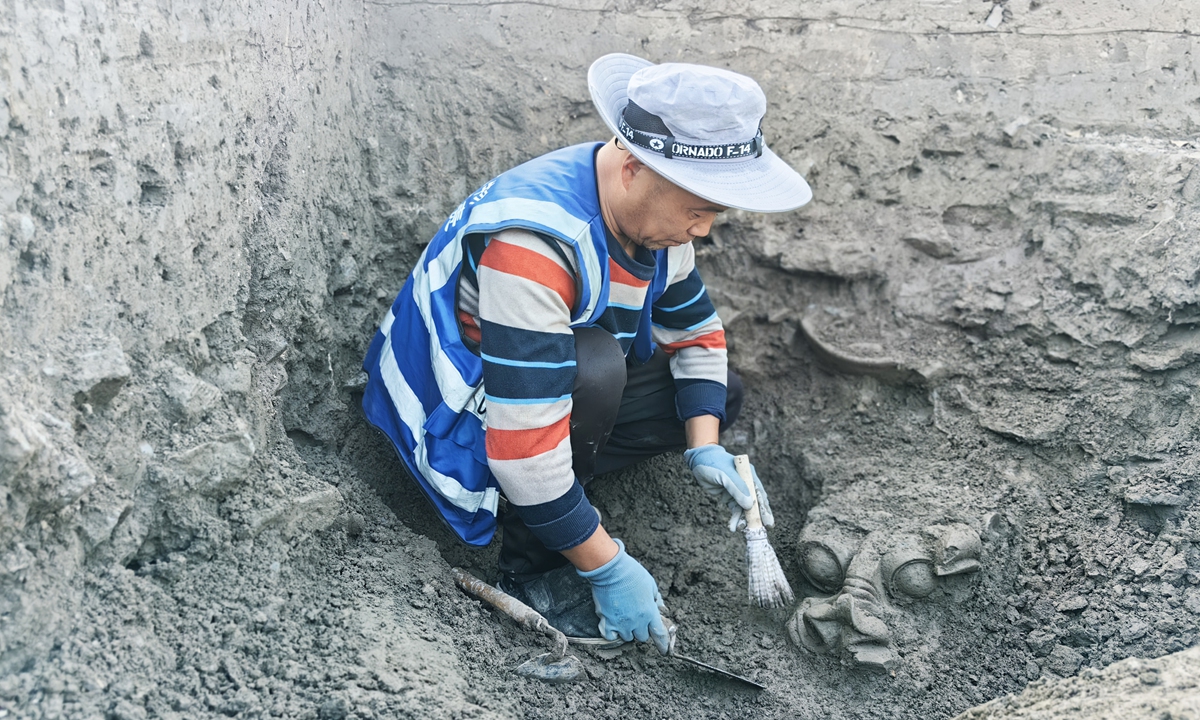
column 713, row 467
column 628, row 601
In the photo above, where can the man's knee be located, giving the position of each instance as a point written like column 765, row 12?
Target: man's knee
column 599, row 363
column 734, row 394
column 599, row 384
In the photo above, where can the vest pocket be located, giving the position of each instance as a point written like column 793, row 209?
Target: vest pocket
column 455, row 437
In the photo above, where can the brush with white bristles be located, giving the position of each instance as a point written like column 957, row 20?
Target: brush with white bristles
column 768, row 586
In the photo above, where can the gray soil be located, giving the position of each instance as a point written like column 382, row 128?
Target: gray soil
column 989, row 317
column 1166, row 687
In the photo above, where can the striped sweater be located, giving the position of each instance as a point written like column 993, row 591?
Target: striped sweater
column 516, row 294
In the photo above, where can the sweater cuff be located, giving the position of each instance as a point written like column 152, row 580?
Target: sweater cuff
column 699, row 397
column 563, row 523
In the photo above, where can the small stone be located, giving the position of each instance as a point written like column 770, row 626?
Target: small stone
column 125, row 710
column 20, row 225
column 1149, row 677
column 344, row 275
column 1150, row 497
column 219, row 466
column 934, row 247
column 994, row 524
column 190, row 398
column 99, row 371
column 334, row 708
column 995, row 17
column 1174, row 568
column 596, row 671
column 766, row 642
column 1033, row 671
column 1072, row 604
column 1135, row 630
column 100, row 515
column 1063, row 661
column 1040, row 642
column 355, row 524
column 1015, row 126
column 357, row 383
column 1081, row 636
column 20, row 441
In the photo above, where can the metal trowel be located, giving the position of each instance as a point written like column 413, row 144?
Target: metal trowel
column 674, row 653
column 555, row 666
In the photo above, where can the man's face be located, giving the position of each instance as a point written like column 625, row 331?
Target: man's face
column 659, row 214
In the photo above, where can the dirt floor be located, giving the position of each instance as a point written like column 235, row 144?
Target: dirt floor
column 977, row 350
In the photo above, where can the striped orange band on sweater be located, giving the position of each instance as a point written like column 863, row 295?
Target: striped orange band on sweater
column 524, row 263
column 711, row 341
column 618, row 274
column 522, row 444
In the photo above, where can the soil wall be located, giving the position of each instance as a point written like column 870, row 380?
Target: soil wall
column 986, row 318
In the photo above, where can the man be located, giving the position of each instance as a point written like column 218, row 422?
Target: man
column 556, row 328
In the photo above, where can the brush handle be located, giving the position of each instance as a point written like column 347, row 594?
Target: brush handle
column 744, row 470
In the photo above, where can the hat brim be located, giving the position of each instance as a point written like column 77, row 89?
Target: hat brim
column 762, row 184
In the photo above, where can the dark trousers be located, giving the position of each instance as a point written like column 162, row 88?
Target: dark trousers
column 622, row 413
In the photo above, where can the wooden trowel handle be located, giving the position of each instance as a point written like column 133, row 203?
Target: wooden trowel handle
column 524, row 615
column 753, row 519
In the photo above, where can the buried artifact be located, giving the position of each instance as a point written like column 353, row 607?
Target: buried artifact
column 864, row 576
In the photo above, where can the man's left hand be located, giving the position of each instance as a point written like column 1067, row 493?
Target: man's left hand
column 713, row 468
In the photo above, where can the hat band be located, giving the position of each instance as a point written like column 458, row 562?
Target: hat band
column 649, row 137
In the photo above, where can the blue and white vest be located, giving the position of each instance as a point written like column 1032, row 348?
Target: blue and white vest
column 425, row 388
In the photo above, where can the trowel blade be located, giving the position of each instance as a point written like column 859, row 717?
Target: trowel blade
column 545, row 668
column 719, row 671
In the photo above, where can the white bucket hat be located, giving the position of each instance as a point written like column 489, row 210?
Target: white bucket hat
column 699, row 127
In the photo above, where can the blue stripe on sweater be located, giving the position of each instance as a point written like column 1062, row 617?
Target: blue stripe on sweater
column 524, row 401
column 689, row 328
column 680, row 292
column 684, row 306
column 527, row 363
column 525, row 366
column 695, row 297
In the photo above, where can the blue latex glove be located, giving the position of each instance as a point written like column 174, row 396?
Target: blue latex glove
column 713, row 468
column 628, row 601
